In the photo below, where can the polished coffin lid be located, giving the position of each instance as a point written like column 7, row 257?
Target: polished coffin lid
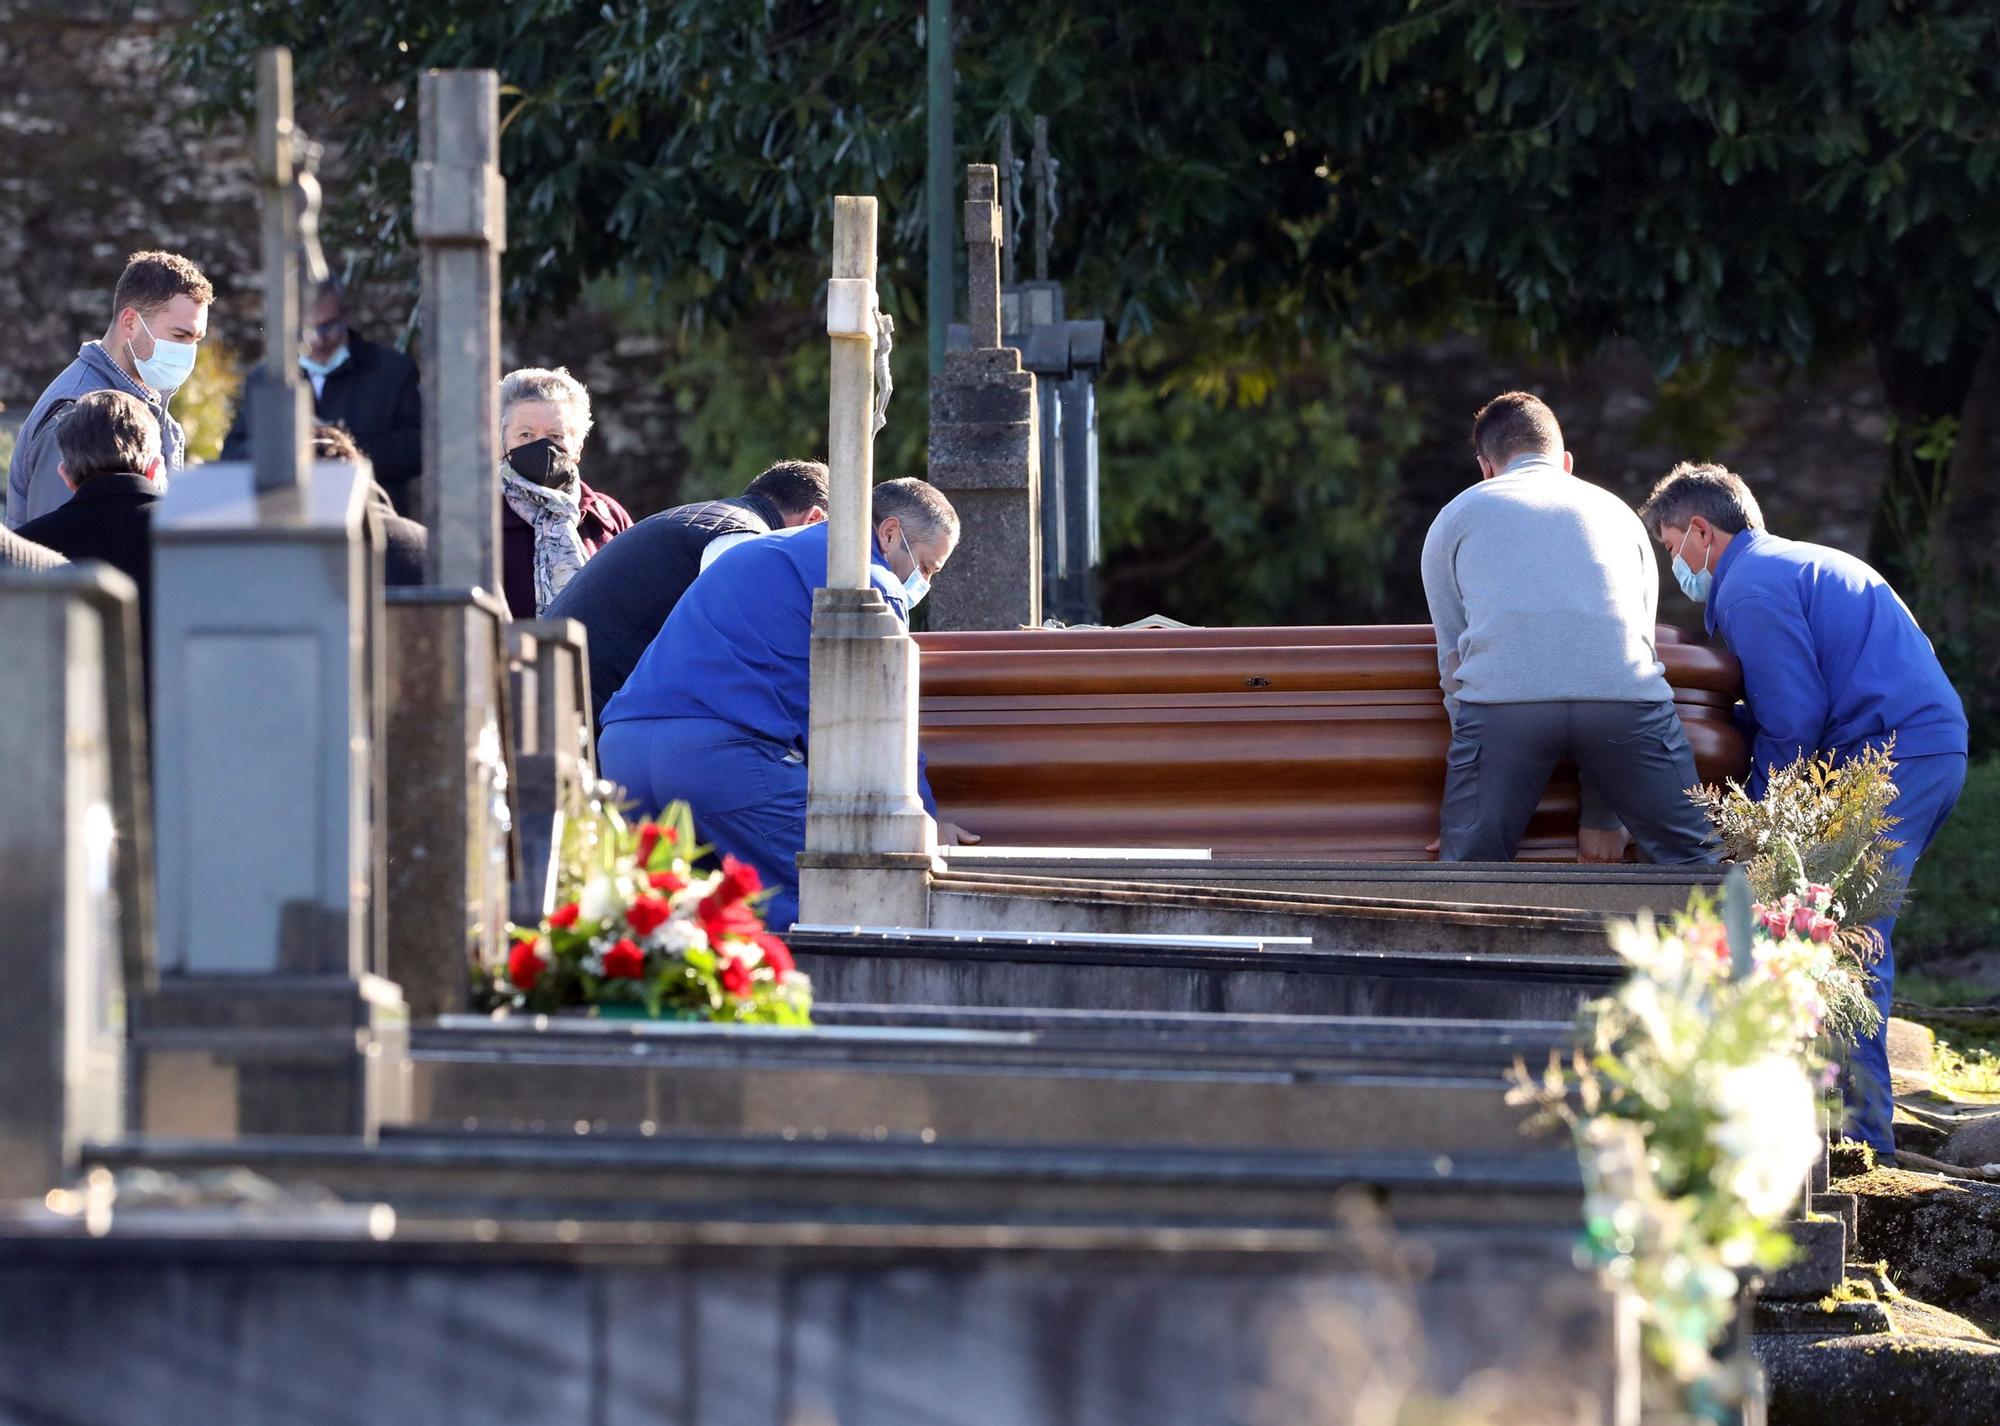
column 1312, row 742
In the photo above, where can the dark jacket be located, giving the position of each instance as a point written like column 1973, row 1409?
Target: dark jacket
column 17, row 553
column 110, row 518
column 624, row 595
column 603, row 517
column 374, row 395
column 738, row 647
column 33, row 485
column 404, row 542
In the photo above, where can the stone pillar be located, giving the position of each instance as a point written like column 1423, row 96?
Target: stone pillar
column 460, row 212
column 450, row 823
column 75, row 837
column 1064, row 356
column 271, row 1015
column 870, row 846
column 985, row 450
column 549, row 673
column 450, row 817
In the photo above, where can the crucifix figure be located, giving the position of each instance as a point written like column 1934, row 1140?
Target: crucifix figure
column 1045, row 197
column 281, row 412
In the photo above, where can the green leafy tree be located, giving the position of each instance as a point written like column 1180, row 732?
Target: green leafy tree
column 1804, row 179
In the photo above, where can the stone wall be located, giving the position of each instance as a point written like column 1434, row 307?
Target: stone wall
column 1813, row 448
column 97, row 166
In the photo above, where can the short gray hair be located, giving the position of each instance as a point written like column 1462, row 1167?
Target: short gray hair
column 554, row 385
column 1714, row 492
column 920, row 505
column 107, row 433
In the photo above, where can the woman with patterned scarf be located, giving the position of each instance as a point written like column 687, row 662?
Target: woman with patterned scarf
column 551, row 522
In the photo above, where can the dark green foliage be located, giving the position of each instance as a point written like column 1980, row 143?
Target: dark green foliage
column 1765, row 176
column 1800, row 179
column 1955, row 895
column 1248, row 492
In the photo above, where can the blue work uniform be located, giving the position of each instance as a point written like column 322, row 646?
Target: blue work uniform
column 716, row 711
column 1834, row 664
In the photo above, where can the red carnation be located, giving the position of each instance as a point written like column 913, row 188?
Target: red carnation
column 723, row 920
column 564, row 916
column 648, row 913
column 624, row 961
column 739, row 882
column 735, row 976
column 667, row 883
column 649, row 838
column 525, row 964
column 777, row 955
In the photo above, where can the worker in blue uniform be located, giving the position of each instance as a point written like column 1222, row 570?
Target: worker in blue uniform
column 716, row 712
column 1833, row 665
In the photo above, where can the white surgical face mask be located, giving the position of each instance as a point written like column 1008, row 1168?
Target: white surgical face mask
column 323, row 368
column 1694, row 583
column 170, row 365
column 914, row 583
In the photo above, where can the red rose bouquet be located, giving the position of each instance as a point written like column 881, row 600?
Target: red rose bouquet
column 639, row 931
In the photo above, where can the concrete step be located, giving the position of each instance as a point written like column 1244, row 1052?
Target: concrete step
column 940, row 968
column 637, row 1177
column 911, row 1080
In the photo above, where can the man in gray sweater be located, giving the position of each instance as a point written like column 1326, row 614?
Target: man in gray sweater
column 1543, row 590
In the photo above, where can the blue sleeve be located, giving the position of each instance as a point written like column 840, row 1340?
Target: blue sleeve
column 924, row 786
column 1782, row 684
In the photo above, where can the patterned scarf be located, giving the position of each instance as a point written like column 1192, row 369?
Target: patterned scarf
column 554, row 514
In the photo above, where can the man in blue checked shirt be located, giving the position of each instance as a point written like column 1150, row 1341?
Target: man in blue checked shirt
column 716, row 712
column 1833, row 663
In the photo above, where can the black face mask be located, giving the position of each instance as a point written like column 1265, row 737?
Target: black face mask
column 543, row 462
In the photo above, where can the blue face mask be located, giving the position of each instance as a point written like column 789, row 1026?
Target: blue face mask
column 170, row 365
column 325, row 368
column 1694, row 583
column 914, row 583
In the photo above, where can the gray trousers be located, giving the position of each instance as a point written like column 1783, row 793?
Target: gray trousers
column 1634, row 756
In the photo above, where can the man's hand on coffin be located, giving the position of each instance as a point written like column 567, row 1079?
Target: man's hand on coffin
column 950, row 834
column 1602, row 844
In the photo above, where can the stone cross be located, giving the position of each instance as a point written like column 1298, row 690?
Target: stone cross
column 850, row 453
column 982, row 254
column 984, row 447
column 280, row 406
column 869, row 844
column 271, row 1015
column 450, row 773
column 461, row 214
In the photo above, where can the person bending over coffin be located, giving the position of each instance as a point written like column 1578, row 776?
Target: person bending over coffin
column 716, row 712
column 1544, row 590
column 623, row 596
column 1833, row 664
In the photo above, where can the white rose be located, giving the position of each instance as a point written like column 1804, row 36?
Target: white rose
column 601, row 900
column 677, row 937
column 1768, row 1134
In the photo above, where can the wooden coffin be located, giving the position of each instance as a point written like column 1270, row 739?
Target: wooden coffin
column 1312, row 743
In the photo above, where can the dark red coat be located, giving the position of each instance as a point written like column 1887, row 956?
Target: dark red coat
column 603, row 517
